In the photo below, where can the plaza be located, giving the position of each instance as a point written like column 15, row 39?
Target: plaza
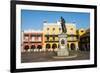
column 27, row 57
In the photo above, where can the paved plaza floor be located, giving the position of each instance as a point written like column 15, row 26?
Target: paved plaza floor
column 27, row 57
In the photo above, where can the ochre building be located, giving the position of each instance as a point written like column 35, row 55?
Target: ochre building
column 51, row 32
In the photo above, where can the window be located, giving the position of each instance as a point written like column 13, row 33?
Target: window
column 47, row 28
column 47, row 38
column 71, row 29
column 39, row 39
column 81, row 30
column 53, row 29
column 26, row 38
column 32, row 38
column 72, row 32
column 72, row 38
column 59, row 29
column 53, row 38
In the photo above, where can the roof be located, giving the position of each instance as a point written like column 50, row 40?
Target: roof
column 58, row 23
column 34, row 31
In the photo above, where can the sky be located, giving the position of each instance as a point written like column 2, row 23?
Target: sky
column 33, row 19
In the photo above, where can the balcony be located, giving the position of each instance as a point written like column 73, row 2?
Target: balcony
column 72, row 39
column 51, row 39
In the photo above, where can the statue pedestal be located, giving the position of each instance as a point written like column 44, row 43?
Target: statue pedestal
column 62, row 51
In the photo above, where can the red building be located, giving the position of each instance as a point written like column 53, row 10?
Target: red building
column 32, row 40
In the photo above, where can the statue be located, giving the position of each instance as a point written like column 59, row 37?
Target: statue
column 63, row 50
column 63, row 25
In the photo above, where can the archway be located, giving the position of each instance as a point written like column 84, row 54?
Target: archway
column 54, row 46
column 39, row 47
column 47, row 46
column 72, row 46
column 33, row 47
column 26, row 47
column 80, row 47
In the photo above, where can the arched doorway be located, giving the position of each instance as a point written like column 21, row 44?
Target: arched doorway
column 47, row 46
column 39, row 47
column 26, row 47
column 33, row 47
column 54, row 46
column 72, row 46
column 80, row 47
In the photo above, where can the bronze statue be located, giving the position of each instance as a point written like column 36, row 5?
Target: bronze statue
column 63, row 25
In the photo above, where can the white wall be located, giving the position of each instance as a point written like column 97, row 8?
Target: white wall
column 5, row 36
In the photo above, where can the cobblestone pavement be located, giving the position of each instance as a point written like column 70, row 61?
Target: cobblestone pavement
column 27, row 57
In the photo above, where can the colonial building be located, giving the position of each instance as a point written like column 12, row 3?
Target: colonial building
column 84, row 43
column 32, row 40
column 51, row 32
column 81, row 31
column 72, row 39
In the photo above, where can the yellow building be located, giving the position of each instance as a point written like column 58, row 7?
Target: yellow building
column 81, row 31
column 51, row 31
column 72, row 39
column 84, row 39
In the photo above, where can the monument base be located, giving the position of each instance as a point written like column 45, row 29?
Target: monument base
column 65, row 57
column 63, row 50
